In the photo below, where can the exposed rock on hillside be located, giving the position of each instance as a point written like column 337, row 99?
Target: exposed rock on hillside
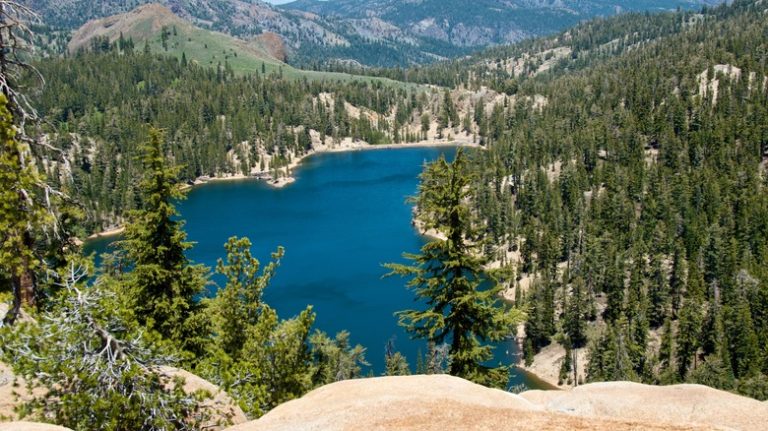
column 274, row 44
column 443, row 402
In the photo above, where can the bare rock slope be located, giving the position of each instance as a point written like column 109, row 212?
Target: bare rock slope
column 444, row 402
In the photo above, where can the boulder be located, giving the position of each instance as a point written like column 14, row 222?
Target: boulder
column 221, row 407
column 13, row 392
column 679, row 404
column 440, row 403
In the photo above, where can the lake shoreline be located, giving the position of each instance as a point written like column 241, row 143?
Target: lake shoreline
column 115, row 231
column 289, row 179
column 344, row 147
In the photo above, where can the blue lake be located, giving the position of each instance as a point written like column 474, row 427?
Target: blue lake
column 343, row 218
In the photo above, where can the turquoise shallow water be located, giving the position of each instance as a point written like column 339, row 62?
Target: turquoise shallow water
column 339, row 222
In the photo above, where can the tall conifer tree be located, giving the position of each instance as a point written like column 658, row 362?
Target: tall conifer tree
column 462, row 302
column 163, row 286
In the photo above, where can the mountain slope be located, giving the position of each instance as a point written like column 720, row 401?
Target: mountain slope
column 241, row 18
column 165, row 32
column 369, row 32
column 646, row 157
column 486, row 22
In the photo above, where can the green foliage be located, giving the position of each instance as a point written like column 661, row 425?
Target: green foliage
column 566, row 367
column 162, row 287
column 755, row 387
column 239, row 306
column 22, row 217
column 613, row 356
column 335, row 359
column 448, row 276
column 90, row 368
column 260, row 360
column 637, row 182
column 396, row 363
column 713, row 372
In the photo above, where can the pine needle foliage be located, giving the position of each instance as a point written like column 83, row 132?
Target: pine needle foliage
column 462, row 305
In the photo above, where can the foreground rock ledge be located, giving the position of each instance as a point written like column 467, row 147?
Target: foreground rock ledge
column 444, row 402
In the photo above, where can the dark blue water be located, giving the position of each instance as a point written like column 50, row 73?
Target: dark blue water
column 341, row 220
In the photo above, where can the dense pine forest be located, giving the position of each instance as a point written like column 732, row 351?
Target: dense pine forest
column 96, row 107
column 635, row 204
column 618, row 202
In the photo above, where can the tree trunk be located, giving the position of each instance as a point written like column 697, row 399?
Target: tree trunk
column 13, row 313
column 27, row 288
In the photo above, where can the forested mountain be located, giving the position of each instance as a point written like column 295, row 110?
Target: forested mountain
column 485, row 22
column 97, row 106
column 631, row 200
column 505, row 67
column 156, row 28
column 368, row 32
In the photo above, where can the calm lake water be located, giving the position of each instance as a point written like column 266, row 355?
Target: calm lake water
column 341, row 220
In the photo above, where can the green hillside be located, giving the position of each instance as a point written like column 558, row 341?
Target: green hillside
column 156, row 28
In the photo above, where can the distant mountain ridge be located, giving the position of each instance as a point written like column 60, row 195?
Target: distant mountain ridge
column 481, row 22
column 163, row 31
column 369, row 32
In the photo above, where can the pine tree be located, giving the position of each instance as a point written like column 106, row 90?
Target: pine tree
column 667, row 352
column 463, row 305
column 396, row 364
column 658, row 292
column 335, row 359
column 576, row 315
column 163, row 287
column 567, row 366
column 691, row 321
column 677, row 278
column 238, row 306
column 21, row 218
column 259, row 359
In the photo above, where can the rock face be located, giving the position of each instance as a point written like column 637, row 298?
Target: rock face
column 13, row 392
column 679, row 404
column 274, row 45
column 444, row 402
column 221, row 407
column 7, row 389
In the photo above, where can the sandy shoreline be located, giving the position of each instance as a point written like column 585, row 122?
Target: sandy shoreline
column 361, row 146
column 283, row 181
column 107, row 233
